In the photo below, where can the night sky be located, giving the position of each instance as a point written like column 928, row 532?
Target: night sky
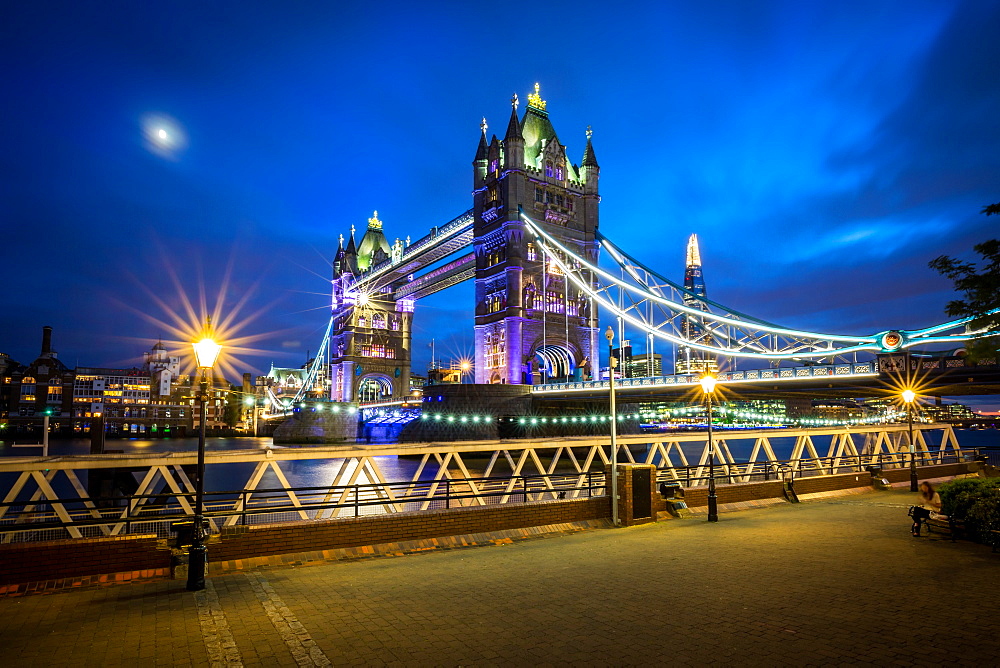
column 823, row 152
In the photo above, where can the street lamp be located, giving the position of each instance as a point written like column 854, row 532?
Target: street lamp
column 610, row 336
column 708, row 388
column 908, row 397
column 206, row 351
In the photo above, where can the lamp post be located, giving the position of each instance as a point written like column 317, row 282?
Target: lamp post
column 708, row 388
column 610, row 336
column 908, row 398
column 206, row 351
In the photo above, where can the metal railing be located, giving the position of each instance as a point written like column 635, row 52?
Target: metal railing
column 154, row 513
column 745, row 472
column 50, row 519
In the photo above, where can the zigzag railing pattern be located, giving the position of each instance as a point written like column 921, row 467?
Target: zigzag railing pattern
column 566, row 468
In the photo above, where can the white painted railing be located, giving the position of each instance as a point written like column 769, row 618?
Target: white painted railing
column 443, row 471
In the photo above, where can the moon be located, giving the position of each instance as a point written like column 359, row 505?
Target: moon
column 163, row 136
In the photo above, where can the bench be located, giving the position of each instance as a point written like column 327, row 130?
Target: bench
column 948, row 527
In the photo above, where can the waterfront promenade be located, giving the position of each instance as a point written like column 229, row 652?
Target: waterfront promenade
column 829, row 582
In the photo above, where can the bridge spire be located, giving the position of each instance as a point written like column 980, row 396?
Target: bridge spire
column 589, row 159
column 514, row 125
column 483, row 148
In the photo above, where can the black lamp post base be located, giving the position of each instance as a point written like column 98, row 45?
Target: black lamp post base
column 713, row 508
column 197, row 558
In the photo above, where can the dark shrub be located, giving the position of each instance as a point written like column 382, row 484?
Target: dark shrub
column 976, row 501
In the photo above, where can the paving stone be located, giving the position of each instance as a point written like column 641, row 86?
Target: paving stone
column 832, row 582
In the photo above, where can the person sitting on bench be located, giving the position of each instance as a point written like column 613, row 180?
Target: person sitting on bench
column 930, row 506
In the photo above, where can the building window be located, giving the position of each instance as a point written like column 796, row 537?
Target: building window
column 548, row 168
column 539, row 195
column 496, row 355
column 553, row 301
column 496, row 301
column 532, row 253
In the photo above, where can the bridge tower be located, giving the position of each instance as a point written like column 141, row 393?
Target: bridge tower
column 532, row 325
column 370, row 339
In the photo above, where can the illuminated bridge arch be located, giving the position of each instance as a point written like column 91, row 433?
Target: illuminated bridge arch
column 556, row 361
column 374, row 388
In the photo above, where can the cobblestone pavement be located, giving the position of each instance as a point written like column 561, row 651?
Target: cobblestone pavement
column 832, row 582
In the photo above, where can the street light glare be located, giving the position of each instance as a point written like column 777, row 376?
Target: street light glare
column 909, row 396
column 708, row 384
column 206, row 352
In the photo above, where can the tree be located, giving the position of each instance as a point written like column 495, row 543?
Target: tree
column 981, row 289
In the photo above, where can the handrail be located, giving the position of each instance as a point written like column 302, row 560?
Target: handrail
column 113, row 514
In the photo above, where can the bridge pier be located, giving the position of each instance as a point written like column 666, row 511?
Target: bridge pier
column 320, row 422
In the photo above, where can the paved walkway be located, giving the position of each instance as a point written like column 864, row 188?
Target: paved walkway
column 830, row 582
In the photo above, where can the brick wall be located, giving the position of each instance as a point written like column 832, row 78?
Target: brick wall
column 242, row 542
column 924, row 472
column 54, row 560
column 752, row 491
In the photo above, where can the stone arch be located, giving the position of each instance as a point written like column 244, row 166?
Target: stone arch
column 555, row 360
column 374, row 387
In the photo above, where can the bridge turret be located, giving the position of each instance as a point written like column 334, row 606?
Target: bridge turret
column 479, row 162
column 513, row 141
column 351, row 255
column 590, row 170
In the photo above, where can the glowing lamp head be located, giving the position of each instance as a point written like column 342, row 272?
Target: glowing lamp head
column 465, row 366
column 909, row 396
column 206, row 352
column 708, row 384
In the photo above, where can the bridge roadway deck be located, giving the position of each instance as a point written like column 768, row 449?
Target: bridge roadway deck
column 831, row 582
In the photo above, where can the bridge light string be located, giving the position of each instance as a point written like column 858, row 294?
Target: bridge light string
column 709, row 317
column 452, row 226
column 680, row 306
column 620, row 257
column 694, row 344
column 752, row 418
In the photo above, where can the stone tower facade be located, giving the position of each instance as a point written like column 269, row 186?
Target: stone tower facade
column 531, row 324
column 370, row 340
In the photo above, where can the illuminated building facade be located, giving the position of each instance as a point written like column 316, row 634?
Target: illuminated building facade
column 531, row 324
column 370, row 340
column 645, row 365
column 129, row 401
column 692, row 360
column 45, row 385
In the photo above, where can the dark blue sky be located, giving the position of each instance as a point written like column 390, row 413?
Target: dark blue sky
column 823, row 152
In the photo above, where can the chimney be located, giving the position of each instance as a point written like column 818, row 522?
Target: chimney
column 46, row 340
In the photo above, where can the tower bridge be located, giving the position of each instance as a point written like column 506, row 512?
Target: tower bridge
column 531, row 245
